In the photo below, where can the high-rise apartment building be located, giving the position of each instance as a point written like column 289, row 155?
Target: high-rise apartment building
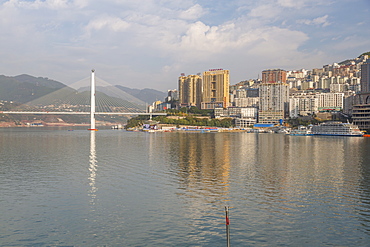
column 215, row 89
column 274, row 76
column 365, row 77
column 303, row 105
column 190, row 90
column 361, row 108
column 274, row 102
column 330, row 101
column 172, row 95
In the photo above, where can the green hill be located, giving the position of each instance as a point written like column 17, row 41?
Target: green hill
column 26, row 88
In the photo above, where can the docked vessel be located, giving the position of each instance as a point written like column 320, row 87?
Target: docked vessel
column 336, row 129
column 301, row 131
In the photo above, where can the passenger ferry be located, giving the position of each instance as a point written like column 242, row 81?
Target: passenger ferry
column 336, row 129
column 301, row 131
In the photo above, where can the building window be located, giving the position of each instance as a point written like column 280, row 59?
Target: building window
column 213, row 93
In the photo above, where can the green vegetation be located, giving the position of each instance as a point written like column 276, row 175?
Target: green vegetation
column 348, row 60
column 194, row 121
column 136, row 121
column 192, row 111
column 365, row 53
column 294, row 122
column 188, row 120
column 187, row 116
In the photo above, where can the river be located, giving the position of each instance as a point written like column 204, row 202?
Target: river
column 118, row 188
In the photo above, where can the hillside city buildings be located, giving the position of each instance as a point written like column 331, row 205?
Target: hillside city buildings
column 333, row 90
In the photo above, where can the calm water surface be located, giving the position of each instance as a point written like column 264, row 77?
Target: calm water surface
column 118, row 188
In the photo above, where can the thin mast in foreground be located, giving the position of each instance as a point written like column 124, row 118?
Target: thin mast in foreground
column 227, row 226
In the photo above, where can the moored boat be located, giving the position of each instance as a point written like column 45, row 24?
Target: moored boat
column 301, row 131
column 336, row 129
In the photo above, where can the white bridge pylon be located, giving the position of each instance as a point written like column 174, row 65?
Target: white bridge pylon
column 92, row 112
column 92, row 102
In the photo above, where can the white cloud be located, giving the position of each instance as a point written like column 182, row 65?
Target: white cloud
column 352, row 42
column 152, row 41
column 192, row 13
column 51, row 4
column 304, row 4
column 292, row 3
column 319, row 21
column 106, row 22
column 268, row 11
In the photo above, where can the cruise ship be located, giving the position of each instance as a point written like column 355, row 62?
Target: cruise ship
column 336, row 129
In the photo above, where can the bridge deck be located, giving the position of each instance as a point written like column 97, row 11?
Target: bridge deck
column 82, row 113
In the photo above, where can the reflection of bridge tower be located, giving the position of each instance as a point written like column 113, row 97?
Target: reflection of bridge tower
column 92, row 168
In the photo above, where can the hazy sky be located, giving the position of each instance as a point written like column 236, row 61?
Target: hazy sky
column 149, row 43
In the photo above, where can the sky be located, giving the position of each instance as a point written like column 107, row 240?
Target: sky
column 149, row 43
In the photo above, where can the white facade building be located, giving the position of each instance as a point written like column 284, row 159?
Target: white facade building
column 338, row 87
column 244, row 116
column 274, row 102
column 246, row 102
column 303, row 105
column 330, row 100
column 293, row 107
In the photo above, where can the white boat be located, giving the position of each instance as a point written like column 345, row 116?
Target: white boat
column 336, row 129
column 301, row 131
column 281, row 130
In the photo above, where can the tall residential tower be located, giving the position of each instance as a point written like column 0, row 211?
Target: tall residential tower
column 274, row 96
column 215, row 89
column 190, row 90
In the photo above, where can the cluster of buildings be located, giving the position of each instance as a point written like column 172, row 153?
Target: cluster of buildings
column 333, row 89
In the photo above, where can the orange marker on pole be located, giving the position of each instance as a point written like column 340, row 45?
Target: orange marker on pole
column 227, row 226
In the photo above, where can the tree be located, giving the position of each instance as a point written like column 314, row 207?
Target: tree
column 136, row 121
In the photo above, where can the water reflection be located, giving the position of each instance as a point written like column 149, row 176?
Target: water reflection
column 171, row 188
column 364, row 189
column 92, row 168
column 204, row 163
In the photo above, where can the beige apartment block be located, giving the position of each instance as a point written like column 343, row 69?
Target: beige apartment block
column 190, row 90
column 215, row 89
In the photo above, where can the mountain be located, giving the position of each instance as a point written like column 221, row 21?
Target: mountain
column 39, row 81
column 139, row 96
column 147, row 95
column 116, row 92
column 43, row 92
column 25, row 88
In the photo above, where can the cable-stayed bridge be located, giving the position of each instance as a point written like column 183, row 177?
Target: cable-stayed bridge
column 85, row 100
